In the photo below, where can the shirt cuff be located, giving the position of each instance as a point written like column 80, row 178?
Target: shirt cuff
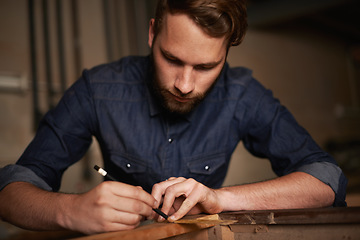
column 17, row 173
column 331, row 175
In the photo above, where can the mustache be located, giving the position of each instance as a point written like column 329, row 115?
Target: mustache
column 191, row 95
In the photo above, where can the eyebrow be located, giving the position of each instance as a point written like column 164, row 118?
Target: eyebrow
column 169, row 55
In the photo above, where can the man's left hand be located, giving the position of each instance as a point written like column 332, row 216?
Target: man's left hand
column 181, row 196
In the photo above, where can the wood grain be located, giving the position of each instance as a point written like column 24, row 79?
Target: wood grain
column 296, row 216
column 151, row 231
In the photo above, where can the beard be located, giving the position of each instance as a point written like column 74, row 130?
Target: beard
column 173, row 106
column 167, row 96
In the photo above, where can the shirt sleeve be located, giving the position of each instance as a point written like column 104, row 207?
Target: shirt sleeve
column 273, row 133
column 16, row 173
column 330, row 174
column 64, row 135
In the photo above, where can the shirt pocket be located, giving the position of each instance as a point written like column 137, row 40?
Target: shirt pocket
column 129, row 164
column 131, row 170
column 209, row 170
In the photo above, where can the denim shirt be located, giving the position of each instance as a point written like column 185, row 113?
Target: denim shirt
column 142, row 145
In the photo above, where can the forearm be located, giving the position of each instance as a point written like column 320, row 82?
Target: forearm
column 29, row 207
column 296, row 190
column 110, row 206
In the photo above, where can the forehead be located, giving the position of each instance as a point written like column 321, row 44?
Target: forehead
column 183, row 38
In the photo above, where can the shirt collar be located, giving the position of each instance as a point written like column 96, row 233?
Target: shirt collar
column 154, row 106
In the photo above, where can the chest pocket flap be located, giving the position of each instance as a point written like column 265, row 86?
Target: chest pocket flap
column 207, row 165
column 129, row 164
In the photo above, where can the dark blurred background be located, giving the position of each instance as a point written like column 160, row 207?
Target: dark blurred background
column 306, row 51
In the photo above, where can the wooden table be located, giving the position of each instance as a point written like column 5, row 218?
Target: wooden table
column 324, row 223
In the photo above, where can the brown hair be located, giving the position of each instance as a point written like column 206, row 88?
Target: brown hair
column 216, row 17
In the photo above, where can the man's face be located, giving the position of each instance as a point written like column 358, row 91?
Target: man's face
column 187, row 62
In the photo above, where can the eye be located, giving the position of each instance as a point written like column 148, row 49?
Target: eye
column 172, row 60
column 204, row 68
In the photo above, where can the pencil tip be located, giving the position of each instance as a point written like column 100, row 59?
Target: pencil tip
column 96, row 167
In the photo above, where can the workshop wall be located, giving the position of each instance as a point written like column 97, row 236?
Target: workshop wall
column 307, row 71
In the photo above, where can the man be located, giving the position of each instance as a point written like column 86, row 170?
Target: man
column 168, row 123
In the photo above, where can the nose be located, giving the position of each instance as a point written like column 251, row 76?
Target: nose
column 185, row 80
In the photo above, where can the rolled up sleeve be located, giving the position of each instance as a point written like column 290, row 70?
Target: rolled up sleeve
column 331, row 175
column 17, row 173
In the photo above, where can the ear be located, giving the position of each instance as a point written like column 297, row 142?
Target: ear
column 151, row 32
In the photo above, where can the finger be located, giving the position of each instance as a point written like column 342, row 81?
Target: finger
column 134, row 192
column 107, row 227
column 126, row 218
column 177, row 204
column 188, row 204
column 122, row 223
column 108, row 219
column 159, row 189
column 131, row 205
column 176, row 190
column 119, row 227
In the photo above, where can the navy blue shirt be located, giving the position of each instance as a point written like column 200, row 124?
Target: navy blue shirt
column 142, row 145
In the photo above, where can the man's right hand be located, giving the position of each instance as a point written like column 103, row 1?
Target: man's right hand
column 110, row 206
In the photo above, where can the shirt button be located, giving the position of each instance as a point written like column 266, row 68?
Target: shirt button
column 170, row 140
column 207, row 168
column 128, row 165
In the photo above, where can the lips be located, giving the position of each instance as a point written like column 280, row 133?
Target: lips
column 181, row 99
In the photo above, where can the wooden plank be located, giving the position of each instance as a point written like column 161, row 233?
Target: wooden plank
column 323, row 223
column 43, row 235
column 296, row 216
column 213, row 220
column 151, row 231
column 196, row 235
column 300, row 232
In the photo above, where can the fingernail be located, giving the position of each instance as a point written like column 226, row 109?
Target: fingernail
column 171, row 219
